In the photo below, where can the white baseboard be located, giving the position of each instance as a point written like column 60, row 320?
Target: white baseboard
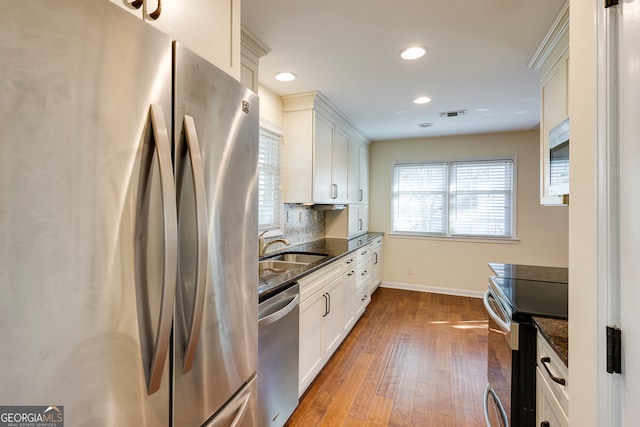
column 432, row 289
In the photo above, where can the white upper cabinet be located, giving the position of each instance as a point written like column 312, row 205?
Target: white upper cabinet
column 319, row 156
column 210, row 28
column 552, row 60
column 358, row 181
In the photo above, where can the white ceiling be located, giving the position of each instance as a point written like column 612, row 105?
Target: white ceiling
column 478, row 51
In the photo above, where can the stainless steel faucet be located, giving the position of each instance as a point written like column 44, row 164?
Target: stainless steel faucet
column 262, row 247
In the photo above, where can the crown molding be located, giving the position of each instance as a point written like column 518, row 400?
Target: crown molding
column 253, row 43
column 316, row 100
column 555, row 33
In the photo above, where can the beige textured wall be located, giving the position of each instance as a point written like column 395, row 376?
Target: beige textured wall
column 460, row 266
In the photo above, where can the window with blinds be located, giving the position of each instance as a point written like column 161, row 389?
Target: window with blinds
column 269, row 181
column 455, row 199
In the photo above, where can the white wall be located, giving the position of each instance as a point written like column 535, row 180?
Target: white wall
column 583, row 288
column 459, row 265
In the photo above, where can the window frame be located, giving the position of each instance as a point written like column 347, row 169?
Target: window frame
column 446, row 235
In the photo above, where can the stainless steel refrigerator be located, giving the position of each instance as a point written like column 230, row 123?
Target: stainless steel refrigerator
column 128, row 222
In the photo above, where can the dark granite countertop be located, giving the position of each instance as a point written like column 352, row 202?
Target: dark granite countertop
column 271, row 284
column 556, row 333
column 530, row 272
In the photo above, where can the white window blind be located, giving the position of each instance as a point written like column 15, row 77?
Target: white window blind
column 269, row 180
column 457, row 199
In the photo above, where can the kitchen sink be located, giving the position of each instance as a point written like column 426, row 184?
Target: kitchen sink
column 296, row 257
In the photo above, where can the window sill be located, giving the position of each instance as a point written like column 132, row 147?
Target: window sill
column 508, row 241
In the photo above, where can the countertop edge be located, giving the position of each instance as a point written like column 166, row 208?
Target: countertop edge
column 267, row 289
column 556, row 333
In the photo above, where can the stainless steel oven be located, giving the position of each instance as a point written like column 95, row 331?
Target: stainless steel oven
column 502, row 342
column 510, row 394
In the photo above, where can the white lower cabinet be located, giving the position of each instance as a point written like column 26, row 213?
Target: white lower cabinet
column 552, row 397
column 321, row 330
column 376, row 264
column 332, row 300
column 349, row 292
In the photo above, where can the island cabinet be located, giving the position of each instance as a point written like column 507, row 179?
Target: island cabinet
column 320, row 152
column 210, row 28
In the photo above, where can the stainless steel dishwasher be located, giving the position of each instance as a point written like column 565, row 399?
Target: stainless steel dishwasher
column 278, row 339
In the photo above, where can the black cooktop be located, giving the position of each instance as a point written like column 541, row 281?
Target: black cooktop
column 533, row 297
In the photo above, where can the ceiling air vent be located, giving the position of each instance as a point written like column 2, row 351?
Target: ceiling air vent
column 455, row 113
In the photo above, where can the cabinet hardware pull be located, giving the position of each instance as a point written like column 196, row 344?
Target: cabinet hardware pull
column 360, row 195
column 376, row 254
column 334, row 191
column 364, row 273
column 137, row 4
column 363, row 298
column 359, row 225
column 545, row 424
column 558, row 380
column 156, row 13
column 326, row 305
column 329, row 296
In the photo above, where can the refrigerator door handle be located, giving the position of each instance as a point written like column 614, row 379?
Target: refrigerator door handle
column 193, row 148
column 170, row 269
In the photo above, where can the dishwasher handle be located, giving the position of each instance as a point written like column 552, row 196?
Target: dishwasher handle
column 279, row 314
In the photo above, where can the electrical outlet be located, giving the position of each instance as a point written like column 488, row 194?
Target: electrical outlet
column 409, row 270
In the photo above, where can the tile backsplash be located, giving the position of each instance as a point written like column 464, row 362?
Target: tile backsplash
column 301, row 224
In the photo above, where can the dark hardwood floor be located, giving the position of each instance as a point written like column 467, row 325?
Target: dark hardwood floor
column 413, row 359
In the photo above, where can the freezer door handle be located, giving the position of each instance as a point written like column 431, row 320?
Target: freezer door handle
column 170, row 268
column 193, row 147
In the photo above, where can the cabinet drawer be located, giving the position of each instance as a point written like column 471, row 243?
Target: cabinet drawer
column 363, row 271
column 315, row 281
column 549, row 365
column 548, row 408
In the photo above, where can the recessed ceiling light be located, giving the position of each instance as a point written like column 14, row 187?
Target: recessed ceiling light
column 425, row 125
column 413, row 52
column 422, row 100
column 285, row 76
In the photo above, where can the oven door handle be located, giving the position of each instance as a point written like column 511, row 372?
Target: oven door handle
column 504, row 324
column 489, row 391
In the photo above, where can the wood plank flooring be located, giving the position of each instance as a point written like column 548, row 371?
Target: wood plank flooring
column 413, row 359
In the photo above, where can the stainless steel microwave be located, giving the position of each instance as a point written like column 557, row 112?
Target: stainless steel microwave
column 559, row 159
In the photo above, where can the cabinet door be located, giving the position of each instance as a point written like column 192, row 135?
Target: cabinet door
column 363, row 178
column 353, row 179
column 376, row 267
column 126, row 5
column 555, row 106
column 322, row 160
column 310, row 353
column 211, row 28
column 349, row 304
column 547, row 407
column 332, row 327
column 340, row 165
